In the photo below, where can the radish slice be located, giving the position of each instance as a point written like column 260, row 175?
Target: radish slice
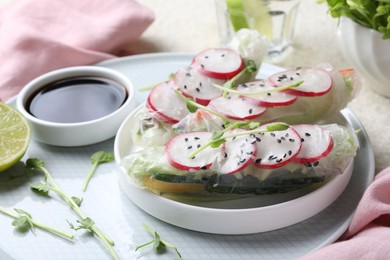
column 275, row 149
column 268, row 99
column 238, row 153
column 166, row 105
column 181, row 146
column 196, row 85
column 218, row 63
column 316, row 143
column 236, row 107
column 316, row 81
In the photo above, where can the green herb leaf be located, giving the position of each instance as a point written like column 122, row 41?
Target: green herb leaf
column 159, row 245
column 373, row 14
column 253, row 125
column 277, row 127
column 96, row 159
column 22, row 212
column 40, row 188
column 101, row 157
column 21, row 222
column 85, row 223
column 190, row 106
column 33, row 163
column 24, row 222
column 217, row 143
column 77, row 200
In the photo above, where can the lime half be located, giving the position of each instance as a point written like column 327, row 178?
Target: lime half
column 14, row 136
column 251, row 14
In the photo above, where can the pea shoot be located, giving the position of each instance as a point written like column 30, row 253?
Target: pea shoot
column 43, row 188
column 218, row 138
column 159, row 245
column 257, row 93
column 96, row 159
column 24, row 221
column 192, row 106
column 250, row 67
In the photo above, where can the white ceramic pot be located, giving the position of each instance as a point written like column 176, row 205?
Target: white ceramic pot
column 368, row 52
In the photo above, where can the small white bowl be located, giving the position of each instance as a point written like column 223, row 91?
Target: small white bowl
column 366, row 50
column 76, row 133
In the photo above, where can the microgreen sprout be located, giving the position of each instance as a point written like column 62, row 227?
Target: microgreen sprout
column 86, row 223
column 51, row 185
column 96, row 159
column 159, row 245
column 257, row 93
column 218, row 138
column 250, row 67
column 24, row 221
column 192, row 106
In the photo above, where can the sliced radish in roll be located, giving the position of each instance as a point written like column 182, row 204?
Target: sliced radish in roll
column 270, row 97
column 236, row 107
column 219, row 63
column 238, row 152
column 180, row 147
column 197, row 86
column 275, row 149
column 316, row 81
column 316, row 143
column 166, row 105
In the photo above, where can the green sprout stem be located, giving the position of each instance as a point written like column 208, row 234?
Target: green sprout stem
column 193, row 103
column 108, row 242
column 220, row 140
column 96, row 159
column 257, row 93
column 250, row 67
column 37, row 224
column 159, row 242
column 89, row 176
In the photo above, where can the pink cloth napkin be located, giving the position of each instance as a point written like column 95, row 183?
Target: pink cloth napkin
column 368, row 236
column 40, row 36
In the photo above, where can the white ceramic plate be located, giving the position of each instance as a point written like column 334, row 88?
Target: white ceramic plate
column 240, row 216
column 122, row 220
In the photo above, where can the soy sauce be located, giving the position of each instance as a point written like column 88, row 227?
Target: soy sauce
column 77, row 99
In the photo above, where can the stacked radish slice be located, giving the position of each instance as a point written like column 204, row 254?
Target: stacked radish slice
column 248, row 101
column 303, row 144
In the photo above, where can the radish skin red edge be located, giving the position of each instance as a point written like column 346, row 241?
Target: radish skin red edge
column 316, row 81
column 219, row 63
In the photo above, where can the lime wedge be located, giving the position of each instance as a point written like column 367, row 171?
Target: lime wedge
column 252, row 14
column 14, row 136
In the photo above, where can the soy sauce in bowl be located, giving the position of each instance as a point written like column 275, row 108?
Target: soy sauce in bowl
column 76, row 106
column 77, row 99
